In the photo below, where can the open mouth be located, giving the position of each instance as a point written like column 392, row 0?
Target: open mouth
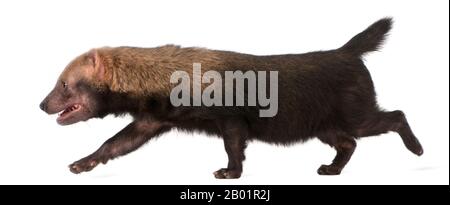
column 68, row 112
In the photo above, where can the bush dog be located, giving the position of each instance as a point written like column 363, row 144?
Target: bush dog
column 324, row 94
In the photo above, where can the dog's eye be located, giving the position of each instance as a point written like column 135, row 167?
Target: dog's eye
column 64, row 84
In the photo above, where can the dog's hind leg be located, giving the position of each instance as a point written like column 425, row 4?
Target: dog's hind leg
column 344, row 145
column 382, row 122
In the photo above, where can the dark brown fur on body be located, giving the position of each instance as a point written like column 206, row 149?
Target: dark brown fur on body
column 328, row 95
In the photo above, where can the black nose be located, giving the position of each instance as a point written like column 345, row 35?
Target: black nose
column 43, row 106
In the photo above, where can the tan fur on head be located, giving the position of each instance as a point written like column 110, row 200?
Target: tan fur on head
column 88, row 66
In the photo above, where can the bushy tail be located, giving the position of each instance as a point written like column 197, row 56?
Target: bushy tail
column 370, row 39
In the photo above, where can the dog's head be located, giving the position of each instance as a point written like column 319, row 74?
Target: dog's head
column 76, row 93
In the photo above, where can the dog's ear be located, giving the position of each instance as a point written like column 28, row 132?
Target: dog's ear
column 98, row 68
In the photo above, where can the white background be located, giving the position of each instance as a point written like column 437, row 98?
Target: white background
column 38, row 38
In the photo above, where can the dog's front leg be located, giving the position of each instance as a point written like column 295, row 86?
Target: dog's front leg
column 133, row 136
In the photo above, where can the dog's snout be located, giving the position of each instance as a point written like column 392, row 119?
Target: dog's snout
column 44, row 105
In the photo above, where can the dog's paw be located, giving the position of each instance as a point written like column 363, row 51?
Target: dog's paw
column 329, row 170
column 83, row 165
column 227, row 174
